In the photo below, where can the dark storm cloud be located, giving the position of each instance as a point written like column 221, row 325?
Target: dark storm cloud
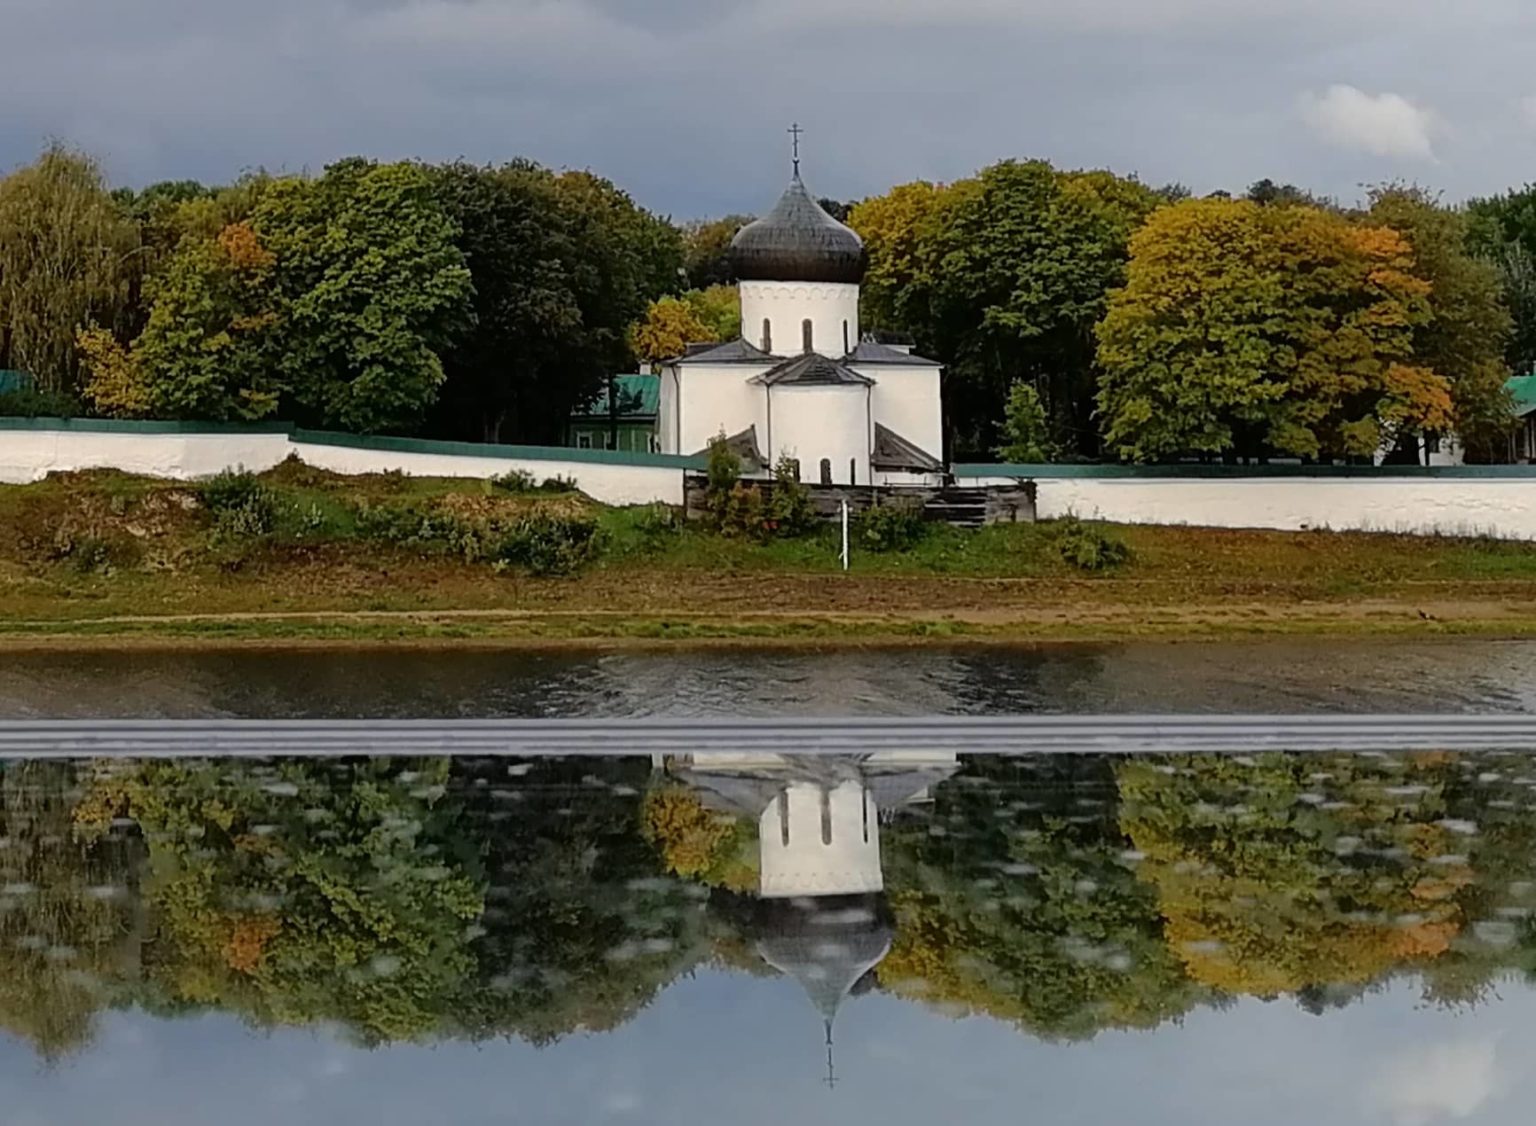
column 685, row 101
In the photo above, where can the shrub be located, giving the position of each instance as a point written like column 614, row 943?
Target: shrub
column 790, row 511
column 724, row 467
column 514, row 481
column 893, row 526
column 658, row 521
column 1086, row 547
column 549, row 544
column 407, row 525
column 743, row 512
column 543, row 542
column 241, row 505
column 31, row 403
column 558, row 484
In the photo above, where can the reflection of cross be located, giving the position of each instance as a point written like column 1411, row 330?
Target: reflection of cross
column 831, row 1079
column 795, row 131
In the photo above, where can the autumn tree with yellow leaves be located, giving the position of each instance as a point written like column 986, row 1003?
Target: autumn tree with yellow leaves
column 1248, row 330
column 699, row 316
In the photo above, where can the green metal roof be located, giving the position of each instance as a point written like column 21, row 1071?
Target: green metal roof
column 639, row 395
column 14, row 381
column 1523, row 388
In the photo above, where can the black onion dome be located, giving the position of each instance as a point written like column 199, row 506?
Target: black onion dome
column 797, row 241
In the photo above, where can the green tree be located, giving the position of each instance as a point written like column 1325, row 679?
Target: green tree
column 208, row 352
column 563, row 266
column 1026, row 431
column 1466, row 335
column 509, row 376
column 1267, row 193
column 1003, row 277
column 371, row 291
column 707, row 250
column 1248, row 330
column 1502, row 231
column 66, row 260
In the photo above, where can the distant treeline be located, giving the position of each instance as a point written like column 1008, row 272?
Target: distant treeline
column 1080, row 314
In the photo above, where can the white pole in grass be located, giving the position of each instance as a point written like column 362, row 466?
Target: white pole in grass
column 845, row 535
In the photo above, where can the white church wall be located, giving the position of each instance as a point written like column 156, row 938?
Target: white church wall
column 1496, row 501
column 815, row 840
column 719, row 398
column 666, row 410
column 907, row 401
column 818, row 421
column 829, row 306
column 31, row 449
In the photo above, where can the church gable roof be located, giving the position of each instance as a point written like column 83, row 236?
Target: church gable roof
column 736, row 351
column 873, row 352
column 813, row 369
column 744, row 445
column 893, row 453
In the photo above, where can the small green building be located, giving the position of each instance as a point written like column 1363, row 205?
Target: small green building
column 1522, row 443
column 12, row 381
column 638, row 398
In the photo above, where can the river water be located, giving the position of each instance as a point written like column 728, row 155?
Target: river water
column 1236, row 677
column 895, row 937
column 1340, row 940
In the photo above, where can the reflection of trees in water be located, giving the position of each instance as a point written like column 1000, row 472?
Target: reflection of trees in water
column 1288, row 873
column 1018, row 901
column 581, row 928
column 70, row 924
column 1066, row 895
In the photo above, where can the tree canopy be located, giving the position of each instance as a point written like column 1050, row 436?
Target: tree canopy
column 1251, row 330
column 66, row 260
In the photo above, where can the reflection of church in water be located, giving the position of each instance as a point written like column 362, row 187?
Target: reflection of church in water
column 820, row 913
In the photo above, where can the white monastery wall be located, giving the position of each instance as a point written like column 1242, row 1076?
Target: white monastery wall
column 609, row 483
column 787, row 305
column 907, row 401
column 812, row 422
column 30, row 454
column 1497, row 505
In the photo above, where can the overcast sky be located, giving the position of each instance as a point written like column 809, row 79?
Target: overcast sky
column 716, row 1048
column 685, row 102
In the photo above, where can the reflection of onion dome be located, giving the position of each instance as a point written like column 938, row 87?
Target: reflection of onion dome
column 827, row 944
column 797, row 242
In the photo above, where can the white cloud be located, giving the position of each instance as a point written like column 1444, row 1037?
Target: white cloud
column 1528, row 110
column 1443, row 1081
column 1380, row 124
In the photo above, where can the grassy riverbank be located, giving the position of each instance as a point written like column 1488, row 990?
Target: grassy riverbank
column 107, row 559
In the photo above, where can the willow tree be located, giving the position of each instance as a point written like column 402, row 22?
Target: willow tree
column 66, row 258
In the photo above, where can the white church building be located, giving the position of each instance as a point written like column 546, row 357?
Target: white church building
column 803, row 381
